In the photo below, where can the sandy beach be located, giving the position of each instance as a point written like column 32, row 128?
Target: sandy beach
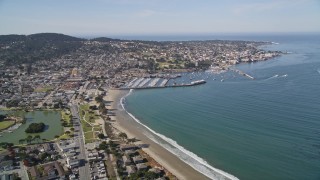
column 127, row 124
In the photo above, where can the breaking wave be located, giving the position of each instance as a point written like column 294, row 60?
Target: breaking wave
column 183, row 154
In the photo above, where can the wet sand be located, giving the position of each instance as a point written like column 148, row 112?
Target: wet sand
column 125, row 123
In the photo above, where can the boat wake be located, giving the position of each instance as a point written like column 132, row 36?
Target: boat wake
column 318, row 70
column 277, row 76
column 272, row 77
column 183, row 154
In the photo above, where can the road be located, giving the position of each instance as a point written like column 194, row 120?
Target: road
column 84, row 173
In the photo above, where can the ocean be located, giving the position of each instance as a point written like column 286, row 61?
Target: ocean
column 267, row 128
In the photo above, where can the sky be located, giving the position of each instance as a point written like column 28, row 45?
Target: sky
column 158, row 17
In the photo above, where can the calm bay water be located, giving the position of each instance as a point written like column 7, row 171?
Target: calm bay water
column 267, row 128
column 50, row 118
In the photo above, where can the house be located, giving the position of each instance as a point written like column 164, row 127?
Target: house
column 45, row 147
column 125, row 147
column 54, row 170
column 5, row 177
column 129, row 152
column 72, row 163
column 6, row 165
column 34, row 173
column 141, row 166
column 138, row 159
column 155, row 170
column 72, row 176
column 51, row 170
column 126, row 160
column 131, row 169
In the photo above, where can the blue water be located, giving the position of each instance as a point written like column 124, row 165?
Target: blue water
column 267, row 128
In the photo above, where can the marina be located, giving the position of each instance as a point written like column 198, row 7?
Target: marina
column 142, row 83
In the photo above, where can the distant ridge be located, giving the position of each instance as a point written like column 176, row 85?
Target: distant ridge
column 29, row 48
column 38, row 37
column 53, row 37
column 104, row 39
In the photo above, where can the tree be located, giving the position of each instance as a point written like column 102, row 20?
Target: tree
column 35, row 128
column 29, row 139
column 72, row 129
column 15, row 176
column 67, row 132
column 101, row 136
column 37, row 137
column 102, row 106
column 21, row 148
column 123, row 136
column 56, row 136
column 104, row 111
column 103, row 145
column 150, row 175
column 99, row 99
column 2, row 117
column 21, row 141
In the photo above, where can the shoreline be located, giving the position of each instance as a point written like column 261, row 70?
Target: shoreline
column 123, row 121
column 127, row 124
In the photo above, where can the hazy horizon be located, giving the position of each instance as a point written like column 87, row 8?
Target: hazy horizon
column 154, row 17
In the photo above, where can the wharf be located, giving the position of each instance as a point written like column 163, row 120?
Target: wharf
column 164, row 86
column 242, row 73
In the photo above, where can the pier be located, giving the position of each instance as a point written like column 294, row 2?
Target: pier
column 144, row 82
column 242, row 73
column 141, row 84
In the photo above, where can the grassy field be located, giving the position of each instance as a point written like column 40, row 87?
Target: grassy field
column 90, row 116
column 43, row 89
column 6, row 124
column 65, row 136
column 89, row 137
column 97, row 128
column 65, row 116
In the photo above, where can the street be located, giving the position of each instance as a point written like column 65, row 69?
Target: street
column 84, row 173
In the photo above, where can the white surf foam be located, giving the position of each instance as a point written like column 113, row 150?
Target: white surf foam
column 186, row 156
column 272, row 77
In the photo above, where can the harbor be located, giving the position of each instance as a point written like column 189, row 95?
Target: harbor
column 157, row 82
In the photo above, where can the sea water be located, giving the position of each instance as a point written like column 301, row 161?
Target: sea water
column 266, row 128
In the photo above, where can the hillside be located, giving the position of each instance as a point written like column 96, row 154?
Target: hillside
column 28, row 48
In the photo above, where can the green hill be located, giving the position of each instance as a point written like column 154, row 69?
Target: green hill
column 17, row 49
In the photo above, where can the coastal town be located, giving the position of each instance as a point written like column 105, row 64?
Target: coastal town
column 77, row 83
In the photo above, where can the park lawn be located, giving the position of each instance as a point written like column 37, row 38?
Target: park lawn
column 65, row 136
column 91, row 117
column 65, row 116
column 43, row 89
column 89, row 137
column 85, row 111
column 85, row 126
column 84, row 107
column 89, row 140
column 97, row 128
column 6, row 124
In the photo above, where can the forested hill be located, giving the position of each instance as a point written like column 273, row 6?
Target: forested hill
column 104, row 39
column 16, row 49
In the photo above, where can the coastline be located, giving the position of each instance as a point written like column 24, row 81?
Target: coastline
column 127, row 124
column 123, row 121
